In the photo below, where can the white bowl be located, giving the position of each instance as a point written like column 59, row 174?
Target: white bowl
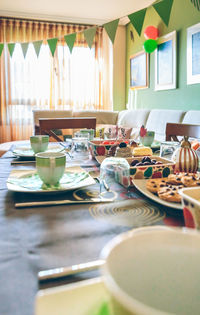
column 191, row 206
column 153, row 270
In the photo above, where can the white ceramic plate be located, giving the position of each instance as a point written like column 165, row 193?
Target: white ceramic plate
column 140, row 184
column 25, row 151
column 29, row 181
column 87, row 297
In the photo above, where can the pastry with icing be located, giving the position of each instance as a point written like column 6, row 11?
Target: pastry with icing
column 123, row 150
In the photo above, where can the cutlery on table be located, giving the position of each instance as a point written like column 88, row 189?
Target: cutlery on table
column 60, row 202
column 22, row 162
column 71, row 270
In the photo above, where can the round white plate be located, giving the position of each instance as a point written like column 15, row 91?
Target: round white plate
column 140, row 184
column 25, row 151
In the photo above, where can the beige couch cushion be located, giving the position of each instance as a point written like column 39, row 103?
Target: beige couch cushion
column 158, row 118
column 133, row 119
column 102, row 116
column 192, row 117
column 50, row 114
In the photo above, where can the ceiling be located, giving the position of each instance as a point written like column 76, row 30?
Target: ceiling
column 73, row 11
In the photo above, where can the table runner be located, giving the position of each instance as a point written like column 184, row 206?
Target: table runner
column 34, row 239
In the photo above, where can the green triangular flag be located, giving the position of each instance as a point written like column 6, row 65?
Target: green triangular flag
column 24, row 48
column 196, row 3
column 163, row 8
column 137, row 19
column 89, row 35
column 11, row 47
column 1, row 48
column 37, row 45
column 52, row 44
column 111, row 29
column 70, row 40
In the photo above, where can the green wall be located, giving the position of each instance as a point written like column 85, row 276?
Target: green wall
column 184, row 97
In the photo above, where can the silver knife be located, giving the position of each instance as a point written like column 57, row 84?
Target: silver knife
column 22, row 162
column 71, row 270
column 60, row 202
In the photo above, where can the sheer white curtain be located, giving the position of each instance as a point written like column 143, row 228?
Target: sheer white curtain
column 81, row 80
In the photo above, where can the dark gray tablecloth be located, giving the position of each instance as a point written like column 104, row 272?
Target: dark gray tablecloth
column 41, row 238
column 34, row 239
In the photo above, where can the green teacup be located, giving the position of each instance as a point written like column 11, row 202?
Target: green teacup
column 39, row 143
column 50, row 166
column 148, row 139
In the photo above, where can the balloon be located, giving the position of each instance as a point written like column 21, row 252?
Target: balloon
column 151, row 32
column 150, row 45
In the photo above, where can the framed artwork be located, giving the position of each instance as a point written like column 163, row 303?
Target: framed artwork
column 139, row 71
column 193, row 54
column 165, row 62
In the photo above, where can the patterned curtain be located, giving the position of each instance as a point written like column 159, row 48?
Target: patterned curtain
column 19, row 97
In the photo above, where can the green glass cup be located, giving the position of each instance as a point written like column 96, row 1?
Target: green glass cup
column 148, row 139
column 50, row 166
column 39, row 143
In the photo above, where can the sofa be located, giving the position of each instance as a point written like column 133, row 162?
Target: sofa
column 155, row 119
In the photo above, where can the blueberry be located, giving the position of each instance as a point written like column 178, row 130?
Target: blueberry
column 134, row 162
column 147, row 159
column 122, row 145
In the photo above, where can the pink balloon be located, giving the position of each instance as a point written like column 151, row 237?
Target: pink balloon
column 151, row 32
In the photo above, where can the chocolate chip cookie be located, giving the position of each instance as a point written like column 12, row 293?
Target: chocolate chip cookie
column 153, row 184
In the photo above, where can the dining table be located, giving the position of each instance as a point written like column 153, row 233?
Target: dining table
column 34, row 239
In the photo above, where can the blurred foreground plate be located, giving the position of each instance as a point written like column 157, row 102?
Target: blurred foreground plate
column 87, row 297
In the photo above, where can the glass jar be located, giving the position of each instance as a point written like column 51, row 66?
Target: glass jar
column 114, row 169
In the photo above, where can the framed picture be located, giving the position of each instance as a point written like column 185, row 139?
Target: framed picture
column 165, row 62
column 139, row 71
column 193, row 54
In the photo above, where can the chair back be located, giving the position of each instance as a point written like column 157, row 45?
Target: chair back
column 173, row 130
column 49, row 125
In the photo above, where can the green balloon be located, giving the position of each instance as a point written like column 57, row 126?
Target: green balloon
column 150, row 45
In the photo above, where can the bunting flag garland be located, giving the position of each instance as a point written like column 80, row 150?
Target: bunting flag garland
column 196, row 4
column 137, row 20
column 37, row 45
column 11, row 47
column 70, row 40
column 52, row 44
column 163, row 9
column 1, row 48
column 24, row 47
column 89, row 35
column 111, row 29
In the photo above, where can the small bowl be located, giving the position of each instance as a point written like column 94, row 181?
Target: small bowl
column 191, row 206
column 153, row 271
column 148, row 139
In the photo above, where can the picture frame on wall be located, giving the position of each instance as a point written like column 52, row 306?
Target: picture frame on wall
column 193, row 54
column 139, row 71
column 165, row 62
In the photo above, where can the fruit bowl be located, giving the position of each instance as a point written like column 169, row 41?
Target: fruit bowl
column 150, row 167
column 101, row 147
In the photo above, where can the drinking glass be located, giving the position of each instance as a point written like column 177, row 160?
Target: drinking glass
column 80, row 148
column 167, row 148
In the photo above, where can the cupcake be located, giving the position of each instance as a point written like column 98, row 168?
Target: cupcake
column 123, row 150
